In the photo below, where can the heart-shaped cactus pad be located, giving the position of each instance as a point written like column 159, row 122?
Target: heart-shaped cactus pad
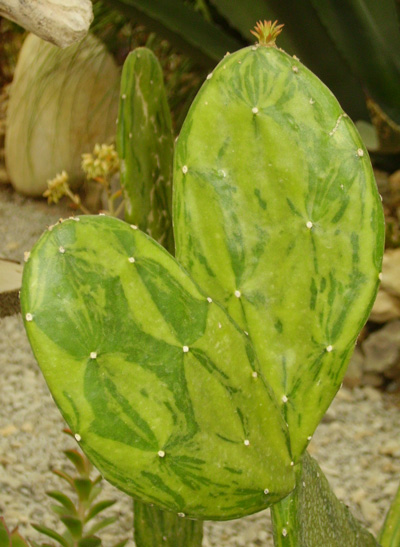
column 160, row 386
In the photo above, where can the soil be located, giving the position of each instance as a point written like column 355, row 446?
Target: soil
column 357, row 443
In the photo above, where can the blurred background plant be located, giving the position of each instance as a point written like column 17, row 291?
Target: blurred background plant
column 79, row 512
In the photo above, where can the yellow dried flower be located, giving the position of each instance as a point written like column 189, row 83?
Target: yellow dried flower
column 57, row 187
column 101, row 164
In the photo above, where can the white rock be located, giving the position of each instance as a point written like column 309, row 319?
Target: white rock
column 61, row 22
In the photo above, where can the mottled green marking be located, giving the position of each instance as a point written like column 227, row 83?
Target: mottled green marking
column 276, row 203
column 136, row 360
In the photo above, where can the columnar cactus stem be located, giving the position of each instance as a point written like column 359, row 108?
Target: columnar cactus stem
column 145, row 146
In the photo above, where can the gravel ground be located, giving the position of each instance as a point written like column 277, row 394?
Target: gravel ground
column 357, row 444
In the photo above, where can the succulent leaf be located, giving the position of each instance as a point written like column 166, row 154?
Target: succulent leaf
column 74, row 526
column 5, row 540
column 98, row 508
column 278, row 217
column 140, row 346
column 92, row 541
column 65, row 501
column 51, row 534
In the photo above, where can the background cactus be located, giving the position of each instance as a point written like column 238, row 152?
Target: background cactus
column 145, row 146
column 62, row 102
column 278, row 217
column 329, row 523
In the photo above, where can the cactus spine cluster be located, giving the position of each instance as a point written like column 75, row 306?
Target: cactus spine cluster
column 196, row 383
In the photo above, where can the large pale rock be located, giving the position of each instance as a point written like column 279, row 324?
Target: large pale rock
column 62, row 102
column 391, row 272
column 386, row 308
column 61, row 22
column 382, row 348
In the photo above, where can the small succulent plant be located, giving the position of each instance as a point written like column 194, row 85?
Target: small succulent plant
column 77, row 512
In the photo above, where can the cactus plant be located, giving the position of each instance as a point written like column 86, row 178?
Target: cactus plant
column 129, row 360
column 196, row 383
column 329, row 523
column 278, row 217
column 145, row 146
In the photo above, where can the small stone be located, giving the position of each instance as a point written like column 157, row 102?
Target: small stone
column 369, row 510
column 354, row 372
column 390, row 448
column 390, row 271
column 382, row 348
column 8, row 430
column 386, row 308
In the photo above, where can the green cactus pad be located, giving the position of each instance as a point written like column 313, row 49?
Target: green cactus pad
column 145, row 146
column 277, row 216
column 160, row 387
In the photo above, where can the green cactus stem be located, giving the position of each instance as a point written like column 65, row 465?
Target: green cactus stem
column 160, row 387
column 389, row 536
column 277, row 217
column 154, row 527
column 145, row 146
column 312, row 516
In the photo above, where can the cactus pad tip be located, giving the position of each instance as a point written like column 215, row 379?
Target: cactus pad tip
column 267, row 32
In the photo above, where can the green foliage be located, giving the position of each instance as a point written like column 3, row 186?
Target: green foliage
column 77, row 512
column 312, row 516
column 145, row 146
column 361, row 41
column 389, row 536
